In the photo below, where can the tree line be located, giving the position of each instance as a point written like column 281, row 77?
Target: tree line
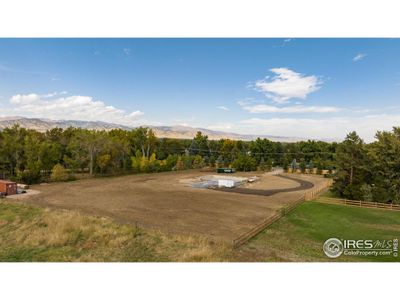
column 369, row 172
column 363, row 171
column 30, row 156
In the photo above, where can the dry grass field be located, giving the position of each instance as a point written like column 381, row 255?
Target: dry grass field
column 31, row 234
column 164, row 201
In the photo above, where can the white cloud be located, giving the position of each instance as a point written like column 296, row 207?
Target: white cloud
column 220, row 126
column 223, row 108
column 50, row 95
column 72, row 107
column 24, row 99
column 332, row 128
column 127, row 51
column 135, row 114
column 287, row 84
column 263, row 108
column 359, row 57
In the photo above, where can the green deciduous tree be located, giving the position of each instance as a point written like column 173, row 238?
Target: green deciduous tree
column 245, row 163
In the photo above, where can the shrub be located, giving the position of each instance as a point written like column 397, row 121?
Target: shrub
column 59, row 173
column 262, row 166
column 29, row 176
column 135, row 164
column 170, row 162
column 366, row 191
column 245, row 163
column 154, row 164
column 187, row 161
column 144, row 164
column 103, row 162
column 179, row 164
column 198, row 162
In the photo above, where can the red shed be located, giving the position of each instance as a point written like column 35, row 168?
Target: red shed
column 8, row 187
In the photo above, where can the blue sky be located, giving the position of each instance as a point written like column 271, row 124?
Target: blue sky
column 313, row 88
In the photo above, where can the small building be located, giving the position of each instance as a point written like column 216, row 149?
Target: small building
column 8, row 187
column 226, row 183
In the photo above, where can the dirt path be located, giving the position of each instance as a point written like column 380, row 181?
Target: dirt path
column 304, row 185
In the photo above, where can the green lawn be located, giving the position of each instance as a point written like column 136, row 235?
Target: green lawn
column 300, row 235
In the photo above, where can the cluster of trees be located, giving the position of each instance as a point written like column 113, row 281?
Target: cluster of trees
column 174, row 162
column 369, row 172
column 31, row 156
column 364, row 171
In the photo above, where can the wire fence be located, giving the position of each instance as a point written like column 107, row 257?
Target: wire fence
column 243, row 151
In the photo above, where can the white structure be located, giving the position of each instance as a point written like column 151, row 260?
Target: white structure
column 226, row 183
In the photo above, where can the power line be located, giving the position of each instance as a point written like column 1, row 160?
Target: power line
column 250, row 152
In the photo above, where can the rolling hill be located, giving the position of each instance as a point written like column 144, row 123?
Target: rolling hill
column 179, row 132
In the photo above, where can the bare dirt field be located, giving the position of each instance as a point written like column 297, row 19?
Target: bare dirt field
column 165, row 201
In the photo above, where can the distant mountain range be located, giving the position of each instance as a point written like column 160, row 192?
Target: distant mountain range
column 178, row 132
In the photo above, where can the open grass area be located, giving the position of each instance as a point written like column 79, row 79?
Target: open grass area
column 36, row 234
column 300, row 235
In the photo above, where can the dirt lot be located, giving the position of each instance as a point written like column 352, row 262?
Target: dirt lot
column 165, row 201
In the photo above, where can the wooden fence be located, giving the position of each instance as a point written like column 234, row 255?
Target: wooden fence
column 359, row 203
column 242, row 239
column 309, row 195
column 316, row 191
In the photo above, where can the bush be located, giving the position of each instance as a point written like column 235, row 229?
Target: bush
column 103, row 162
column 198, row 162
column 144, row 164
column 179, row 164
column 265, row 166
column 29, row 176
column 366, row 191
column 170, row 162
column 245, row 163
column 154, row 164
column 135, row 164
column 59, row 173
column 187, row 161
